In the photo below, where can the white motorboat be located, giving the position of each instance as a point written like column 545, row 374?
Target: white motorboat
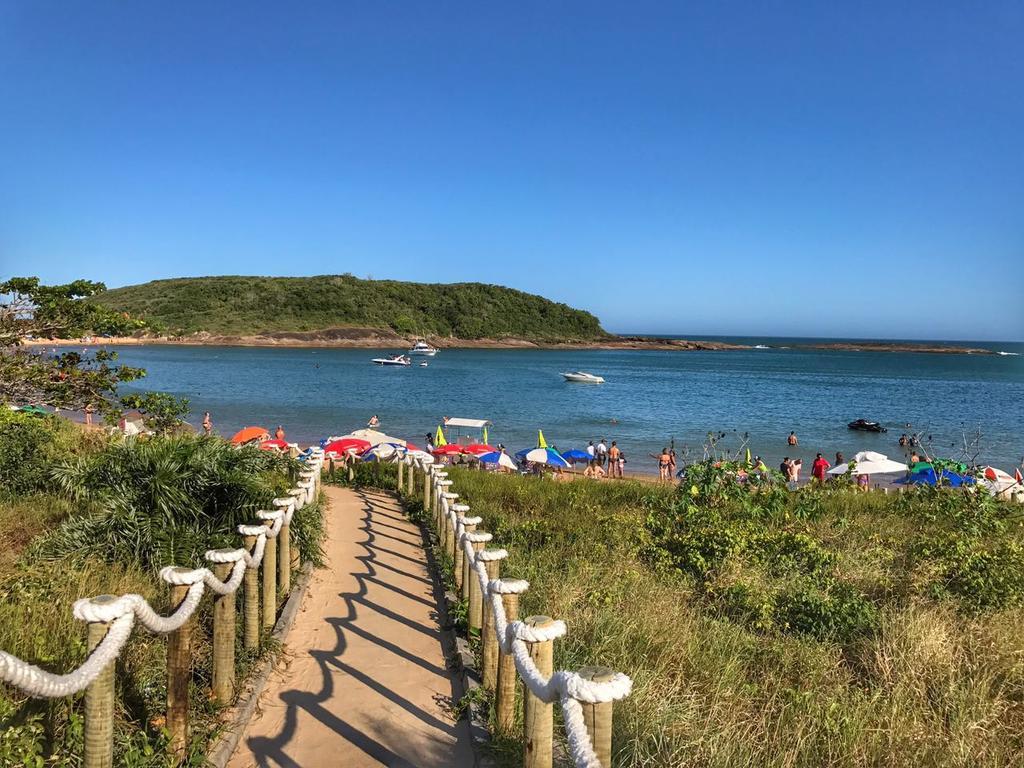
column 422, row 348
column 423, row 364
column 583, row 378
column 396, row 360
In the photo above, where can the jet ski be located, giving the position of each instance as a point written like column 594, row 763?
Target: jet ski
column 863, row 425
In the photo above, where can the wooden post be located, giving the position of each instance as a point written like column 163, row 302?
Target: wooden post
column 537, row 716
column 476, row 602
column 99, row 702
column 460, row 560
column 251, row 608
column 270, row 579
column 179, row 672
column 224, row 638
column 349, row 463
column 426, row 488
column 411, row 478
column 285, row 560
column 488, row 635
column 505, row 698
column 401, row 465
column 598, row 717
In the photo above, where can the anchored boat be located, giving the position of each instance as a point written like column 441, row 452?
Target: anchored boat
column 580, row 377
column 396, row 360
column 422, row 348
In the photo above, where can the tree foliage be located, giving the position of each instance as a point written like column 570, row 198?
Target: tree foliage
column 266, row 305
column 69, row 380
column 162, row 413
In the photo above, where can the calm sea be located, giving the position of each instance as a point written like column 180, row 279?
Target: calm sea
column 650, row 397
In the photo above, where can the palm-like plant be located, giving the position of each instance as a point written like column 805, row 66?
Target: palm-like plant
column 166, row 500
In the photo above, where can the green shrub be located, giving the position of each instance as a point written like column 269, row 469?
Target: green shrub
column 27, row 447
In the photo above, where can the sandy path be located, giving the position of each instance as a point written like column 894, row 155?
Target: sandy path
column 362, row 681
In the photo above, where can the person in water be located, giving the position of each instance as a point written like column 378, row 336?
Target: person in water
column 207, row 423
column 792, row 439
column 279, row 433
column 373, row 422
column 839, row 458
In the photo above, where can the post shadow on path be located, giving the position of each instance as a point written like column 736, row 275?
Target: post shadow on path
column 275, row 751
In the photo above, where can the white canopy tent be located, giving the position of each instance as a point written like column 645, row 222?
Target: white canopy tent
column 870, row 463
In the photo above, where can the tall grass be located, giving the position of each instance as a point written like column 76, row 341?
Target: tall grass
column 929, row 675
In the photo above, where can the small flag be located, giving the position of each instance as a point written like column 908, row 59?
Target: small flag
column 540, row 440
column 485, row 435
column 439, row 438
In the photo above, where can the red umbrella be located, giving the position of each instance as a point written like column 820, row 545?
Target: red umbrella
column 410, row 447
column 269, row 444
column 480, row 448
column 347, row 444
column 448, row 450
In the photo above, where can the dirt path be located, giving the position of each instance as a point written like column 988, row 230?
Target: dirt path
column 362, row 681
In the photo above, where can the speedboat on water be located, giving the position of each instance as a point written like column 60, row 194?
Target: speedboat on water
column 422, row 348
column 396, row 360
column 863, row 425
column 583, row 378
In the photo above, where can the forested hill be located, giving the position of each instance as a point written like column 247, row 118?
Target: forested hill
column 246, row 306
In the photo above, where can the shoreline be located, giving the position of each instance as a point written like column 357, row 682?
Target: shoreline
column 366, row 338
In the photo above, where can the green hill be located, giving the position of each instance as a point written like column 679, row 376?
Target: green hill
column 245, row 306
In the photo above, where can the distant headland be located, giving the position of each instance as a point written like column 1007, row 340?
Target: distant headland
column 346, row 311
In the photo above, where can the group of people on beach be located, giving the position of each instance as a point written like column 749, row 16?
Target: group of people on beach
column 604, row 460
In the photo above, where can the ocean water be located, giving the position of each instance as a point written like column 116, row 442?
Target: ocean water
column 651, row 398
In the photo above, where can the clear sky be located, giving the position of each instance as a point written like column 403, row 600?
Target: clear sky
column 818, row 168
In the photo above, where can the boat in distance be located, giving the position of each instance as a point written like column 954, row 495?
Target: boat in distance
column 422, row 348
column 396, row 360
column 581, row 377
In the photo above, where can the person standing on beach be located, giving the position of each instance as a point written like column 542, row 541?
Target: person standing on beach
column 613, row 460
column 88, row 415
column 620, row 463
column 671, row 463
column 602, row 453
column 819, row 468
column 792, row 439
column 591, row 451
column 207, row 423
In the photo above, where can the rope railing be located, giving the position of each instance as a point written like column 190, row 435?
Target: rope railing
column 512, row 647
column 112, row 618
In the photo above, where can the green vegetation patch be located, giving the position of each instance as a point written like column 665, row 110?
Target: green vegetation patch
column 269, row 305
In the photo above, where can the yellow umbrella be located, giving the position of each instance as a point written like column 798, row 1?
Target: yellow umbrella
column 540, row 440
column 439, row 438
column 485, row 435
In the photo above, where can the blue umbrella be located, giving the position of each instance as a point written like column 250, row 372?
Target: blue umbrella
column 543, row 456
column 499, row 458
column 575, row 455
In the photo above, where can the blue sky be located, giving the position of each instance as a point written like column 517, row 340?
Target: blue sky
column 697, row 168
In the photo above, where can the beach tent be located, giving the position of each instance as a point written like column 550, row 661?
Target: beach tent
column 869, row 463
column 500, row 458
column 35, row 410
column 249, row 434
column 928, row 477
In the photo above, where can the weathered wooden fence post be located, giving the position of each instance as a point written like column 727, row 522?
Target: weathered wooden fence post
column 401, row 476
column 427, row 487
column 538, row 723
column 224, row 636
column 411, row 480
column 284, row 571
column 505, row 698
column 179, row 673
column 598, row 717
column 99, row 701
column 251, row 606
column 488, row 635
column 460, row 558
column 474, row 594
column 270, row 578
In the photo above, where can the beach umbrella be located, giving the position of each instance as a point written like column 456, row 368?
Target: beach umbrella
column 500, row 458
column 928, row 477
column 439, row 440
column 541, row 443
column 410, row 447
column 869, row 463
column 382, row 452
column 575, row 455
column 281, row 445
column 373, row 437
column 479, row 448
column 545, row 455
column 249, row 434
column 448, row 450
column 483, row 438
column 343, row 444
column 422, row 456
